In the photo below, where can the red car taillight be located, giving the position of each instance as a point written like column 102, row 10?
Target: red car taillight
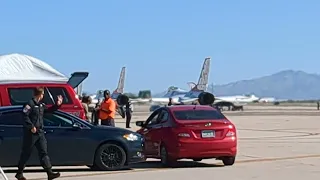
column 231, row 131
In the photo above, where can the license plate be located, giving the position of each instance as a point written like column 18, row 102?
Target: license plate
column 208, row 134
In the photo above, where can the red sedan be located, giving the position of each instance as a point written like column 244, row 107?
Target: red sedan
column 189, row 132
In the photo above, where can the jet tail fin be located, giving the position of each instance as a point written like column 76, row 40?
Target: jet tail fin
column 120, row 87
column 204, row 76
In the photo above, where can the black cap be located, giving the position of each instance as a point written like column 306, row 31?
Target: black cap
column 106, row 92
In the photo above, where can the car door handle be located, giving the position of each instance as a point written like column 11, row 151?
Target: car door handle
column 48, row 131
column 1, row 130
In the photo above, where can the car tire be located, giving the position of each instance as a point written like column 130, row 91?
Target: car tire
column 229, row 161
column 103, row 159
column 166, row 161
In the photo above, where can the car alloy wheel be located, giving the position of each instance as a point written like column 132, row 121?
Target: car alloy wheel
column 110, row 157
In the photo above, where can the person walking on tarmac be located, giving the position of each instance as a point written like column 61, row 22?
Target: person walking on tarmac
column 33, row 133
column 128, row 115
column 170, row 102
column 107, row 110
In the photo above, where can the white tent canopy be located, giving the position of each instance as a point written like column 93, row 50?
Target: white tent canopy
column 20, row 68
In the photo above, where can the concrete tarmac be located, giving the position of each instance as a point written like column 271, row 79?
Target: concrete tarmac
column 272, row 146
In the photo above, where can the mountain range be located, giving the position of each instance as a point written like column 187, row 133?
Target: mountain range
column 287, row 84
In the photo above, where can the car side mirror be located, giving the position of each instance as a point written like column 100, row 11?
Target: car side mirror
column 76, row 125
column 140, row 123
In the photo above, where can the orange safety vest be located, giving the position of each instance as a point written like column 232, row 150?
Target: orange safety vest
column 110, row 105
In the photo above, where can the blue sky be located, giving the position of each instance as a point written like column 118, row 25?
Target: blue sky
column 164, row 43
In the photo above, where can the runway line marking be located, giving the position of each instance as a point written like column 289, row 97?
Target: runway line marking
column 159, row 169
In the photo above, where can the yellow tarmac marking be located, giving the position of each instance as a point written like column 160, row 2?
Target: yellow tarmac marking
column 159, row 169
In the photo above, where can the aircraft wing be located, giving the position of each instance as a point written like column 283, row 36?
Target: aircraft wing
column 187, row 100
column 190, row 100
column 139, row 100
column 163, row 101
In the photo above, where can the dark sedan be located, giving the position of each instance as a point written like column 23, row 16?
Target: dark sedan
column 71, row 141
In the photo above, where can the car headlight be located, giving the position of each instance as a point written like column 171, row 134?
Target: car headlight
column 131, row 137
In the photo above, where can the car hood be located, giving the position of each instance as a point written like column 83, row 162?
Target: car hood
column 110, row 128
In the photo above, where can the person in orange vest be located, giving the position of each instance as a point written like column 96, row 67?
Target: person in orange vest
column 107, row 110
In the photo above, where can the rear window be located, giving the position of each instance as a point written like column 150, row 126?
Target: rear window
column 20, row 96
column 56, row 91
column 198, row 115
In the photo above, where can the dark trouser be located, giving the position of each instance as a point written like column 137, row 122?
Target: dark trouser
column 128, row 119
column 39, row 141
column 94, row 117
column 108, row 122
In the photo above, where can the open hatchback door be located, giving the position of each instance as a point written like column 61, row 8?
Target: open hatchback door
column 77, row 78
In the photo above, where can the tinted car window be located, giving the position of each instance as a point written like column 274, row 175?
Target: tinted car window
column 154, row 119
column 20, row 96
column 56, row 91
column 56, row 120
column 164, row 115
column 198, row 115
column 11, row 118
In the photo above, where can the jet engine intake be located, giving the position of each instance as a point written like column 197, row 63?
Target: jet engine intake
column 206, row 98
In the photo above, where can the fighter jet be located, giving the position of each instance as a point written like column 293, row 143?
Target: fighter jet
column 178, row 95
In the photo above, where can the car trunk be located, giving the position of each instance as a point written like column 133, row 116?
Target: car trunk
column 205, row 129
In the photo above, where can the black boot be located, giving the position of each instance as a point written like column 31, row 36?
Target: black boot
column 53, row 175
column 20, row 176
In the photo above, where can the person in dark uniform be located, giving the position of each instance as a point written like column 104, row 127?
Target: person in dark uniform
column 128, row 115
column 170, row 102
column 33, row 134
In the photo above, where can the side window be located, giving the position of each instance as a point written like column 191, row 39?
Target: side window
column 55, row 120
column 20, row 96
column 164, row 115
column 153, row 118
column 56, row 91
column 11, row 118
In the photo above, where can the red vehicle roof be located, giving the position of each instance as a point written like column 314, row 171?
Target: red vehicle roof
column 189, row 107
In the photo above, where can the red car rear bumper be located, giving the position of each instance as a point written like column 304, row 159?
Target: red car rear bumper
column 192, row 150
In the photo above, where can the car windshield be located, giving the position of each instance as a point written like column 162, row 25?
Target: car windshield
column 198, row 115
